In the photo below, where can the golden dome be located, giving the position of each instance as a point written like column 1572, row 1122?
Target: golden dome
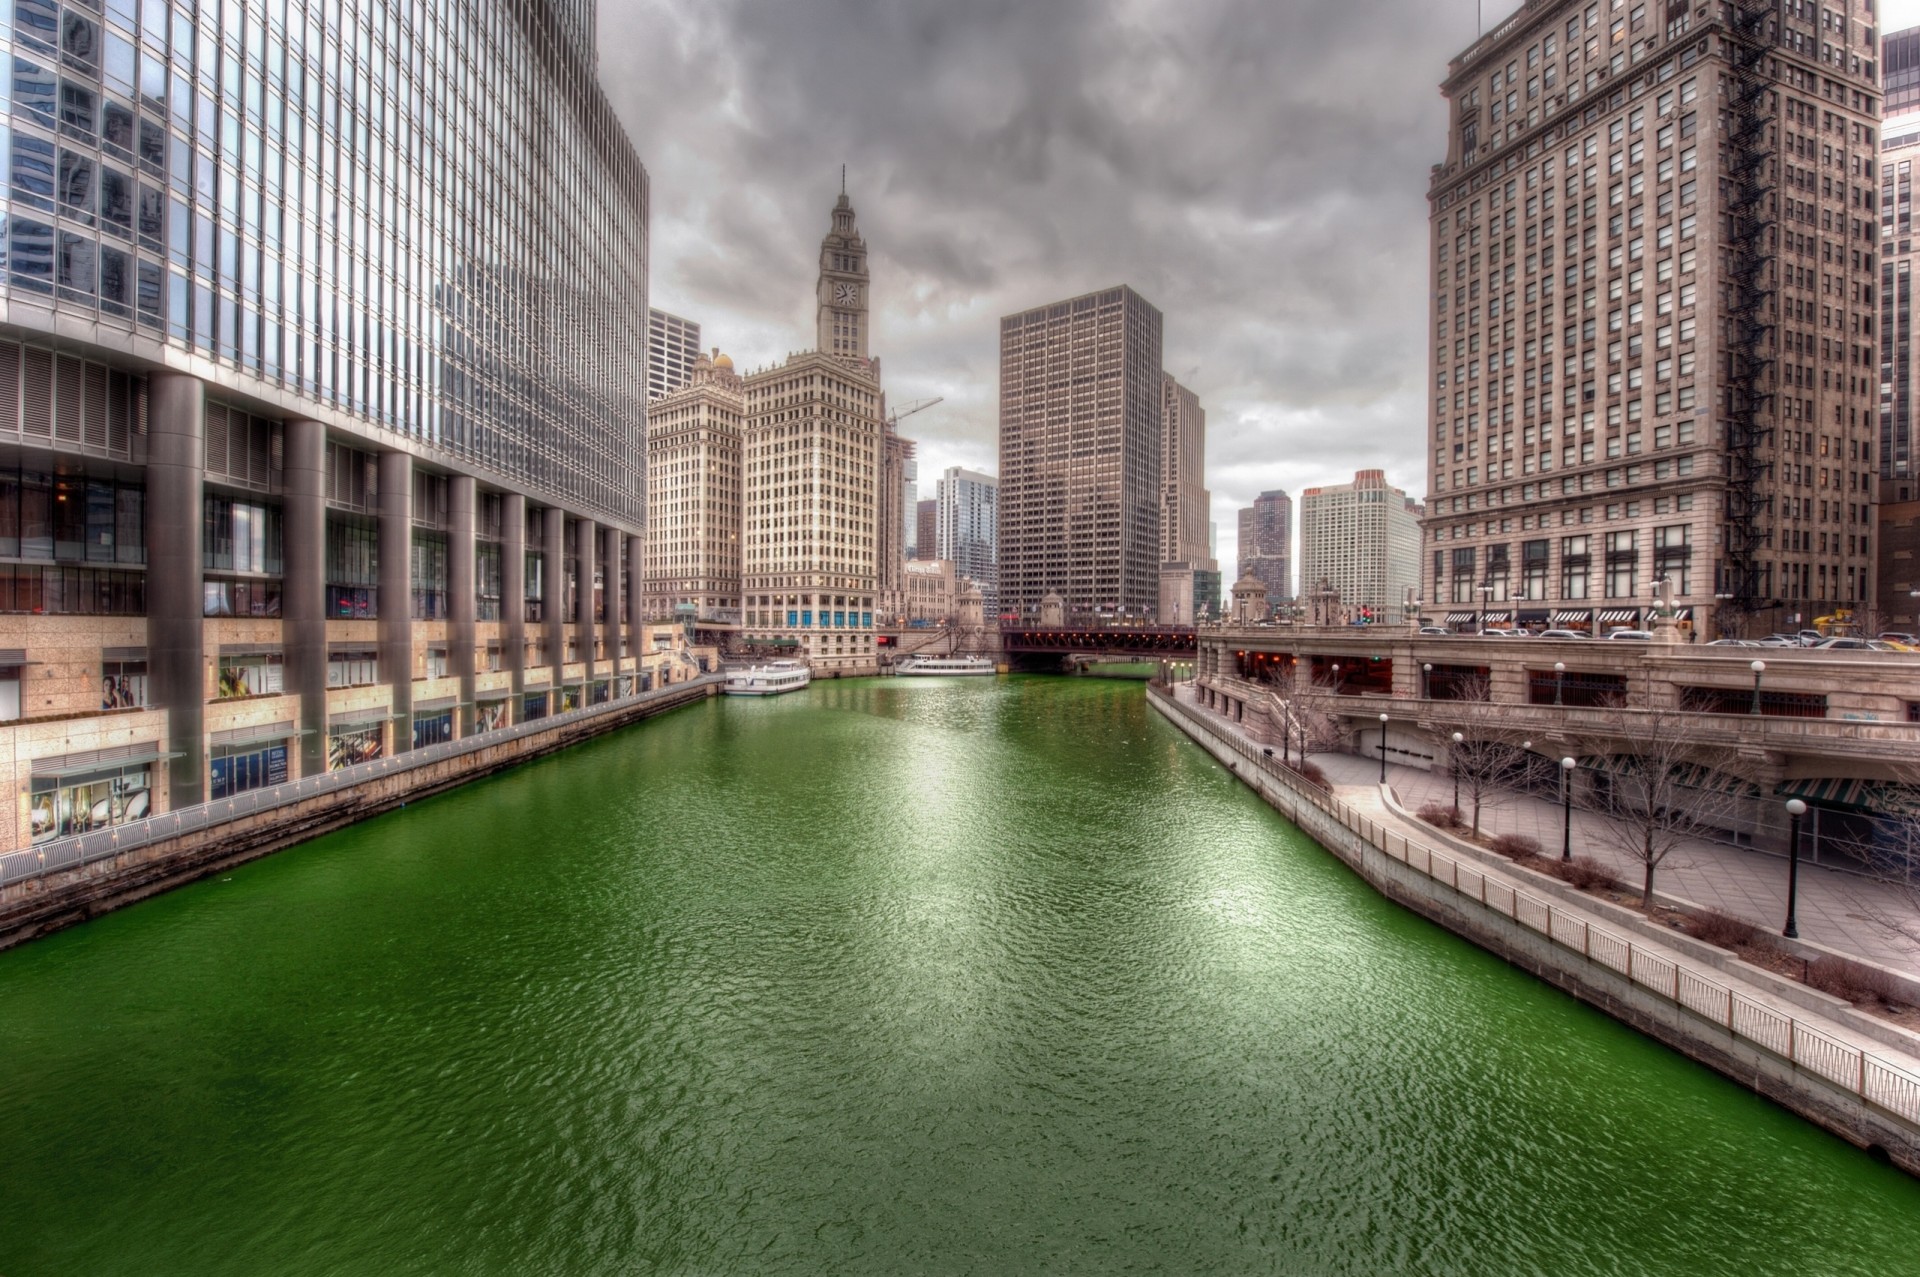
column 723, row 361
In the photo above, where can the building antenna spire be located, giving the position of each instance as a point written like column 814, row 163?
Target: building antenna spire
column 843, row 179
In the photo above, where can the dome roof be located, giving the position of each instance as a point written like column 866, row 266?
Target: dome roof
column 723, row 361
column 1249, row 584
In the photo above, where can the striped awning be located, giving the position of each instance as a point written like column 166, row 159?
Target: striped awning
column 1619, row 617
column 1502, row 617
column 1683, row 614
column 1876, row 796
column 1459, row 618
column 1561, row 618
column 1694, row 776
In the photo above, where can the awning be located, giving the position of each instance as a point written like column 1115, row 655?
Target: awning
column 1497, row 616
column 65, row 766
column 438, row 706
column 1562, row 618
column 1683, row 614
column 1620, row 617
column 360, row 718
column 1877, row 796
column 271, row 735
column 1712, row 780
column 1459, row 618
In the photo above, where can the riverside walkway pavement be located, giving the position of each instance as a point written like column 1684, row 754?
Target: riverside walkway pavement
column 1835, row 909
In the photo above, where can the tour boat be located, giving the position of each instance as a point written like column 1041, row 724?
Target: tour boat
column 926, row 665
column 770, row 679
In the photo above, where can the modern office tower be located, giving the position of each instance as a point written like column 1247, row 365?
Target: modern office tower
column 1266, row 544
column 1184, row 500
column 1899, row 392
column 694, row 497
column 1653, row 269
column 926, row 519
column 891, row 552
column 321, row 422
column 813, row 459
column 673, row 344
column 967, row 533
column 1900, row 71
column 1362, row 539
column 1080, row 426
column 910, row 508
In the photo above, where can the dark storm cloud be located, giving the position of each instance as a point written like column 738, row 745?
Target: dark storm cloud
column 1256, row 169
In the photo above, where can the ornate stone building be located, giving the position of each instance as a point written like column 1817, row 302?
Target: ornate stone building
column 694, row 496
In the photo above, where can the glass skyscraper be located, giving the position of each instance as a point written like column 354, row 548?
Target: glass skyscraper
column 328, row 320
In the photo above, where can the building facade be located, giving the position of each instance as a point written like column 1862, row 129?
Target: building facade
column 931, row 596
column 695, row 496
column 1080, row 451
column 892, row 554
column 321, row 420
column 967, row 513
column 926, row 523
column 1185, row 503
column 1900, row 71
column 1266, row 544
column 1362, row 539
column 1899, row 394
column 673, row 344
column 1653, row 263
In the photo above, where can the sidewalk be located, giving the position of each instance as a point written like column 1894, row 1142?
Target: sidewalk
column 1833, row 907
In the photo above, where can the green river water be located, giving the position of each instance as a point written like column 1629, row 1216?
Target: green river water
column 907, row 976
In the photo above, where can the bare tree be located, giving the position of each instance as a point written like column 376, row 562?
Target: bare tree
column 1487, row 760
column 1306, row 712
column 1888, row 844
column 1654, row 792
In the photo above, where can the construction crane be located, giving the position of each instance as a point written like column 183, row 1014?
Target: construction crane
column 918, row 405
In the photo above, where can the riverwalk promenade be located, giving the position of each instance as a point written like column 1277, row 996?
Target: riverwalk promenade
column 1835, row 910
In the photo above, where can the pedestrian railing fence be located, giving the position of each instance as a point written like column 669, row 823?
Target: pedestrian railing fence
column 1884, row 1085
column 60, row 855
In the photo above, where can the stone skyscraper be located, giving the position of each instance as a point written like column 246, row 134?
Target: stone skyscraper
column 1266, row 544
column 1080, row 453
column 841, row 319
column 694, row 496
column 1362, row 539
column 1185, row 502
column 1653, row 264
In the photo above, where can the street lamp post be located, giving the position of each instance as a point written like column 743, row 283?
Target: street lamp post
column 1795, row 810
column 1383, row 749
column 1566, row 808
column 1453, row 758
column 1426, row 681
column 1559, row 682
column 1758, row 668
column 1336, row 678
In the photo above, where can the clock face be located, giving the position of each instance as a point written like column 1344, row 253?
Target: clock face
column 846, row 294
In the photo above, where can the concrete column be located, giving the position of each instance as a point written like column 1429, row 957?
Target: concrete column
column 589, row 534
column 303, row 603
column 396, row 591
column 464, row 499
column 176, row 634
column 513, row 592
column 612, row 543
column 637, row 599
column 554, row 533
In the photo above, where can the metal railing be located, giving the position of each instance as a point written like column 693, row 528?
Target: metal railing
column 1853, row 1069
column 78, row 850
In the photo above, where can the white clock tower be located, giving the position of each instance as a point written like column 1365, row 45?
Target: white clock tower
column 842, row 292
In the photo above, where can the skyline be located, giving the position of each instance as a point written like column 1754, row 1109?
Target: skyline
column 1295, row 290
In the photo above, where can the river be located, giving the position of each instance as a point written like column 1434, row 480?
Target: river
column 943, row 976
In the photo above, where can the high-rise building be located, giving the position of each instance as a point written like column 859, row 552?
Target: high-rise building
column 820, row 464
column 967, row 532
column 1361, row 539
column 1899, row 390
column 1184, row 500
column 910, row 508
column 1899, row 70
column 1266, row 544
column 305, row 460
column 673, row 344
column 1080, row 451
column 926, row 524
column 694, row 496
column 1653, row 269
column 891, row 552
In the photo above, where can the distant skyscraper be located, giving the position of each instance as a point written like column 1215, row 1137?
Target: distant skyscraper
column 1080, row 451
column 1900, row 72
column 926, row 528
column 1184, row 499
column 967, row 529
column 673, row 344
column 910, row 508
column 1363, row 539
column 694, row 496
column 1266, row 544
column 1899, row 389
column 897, row 461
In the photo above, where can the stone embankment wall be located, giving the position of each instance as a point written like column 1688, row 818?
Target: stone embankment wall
column 1819, row 1076
column 62, row 899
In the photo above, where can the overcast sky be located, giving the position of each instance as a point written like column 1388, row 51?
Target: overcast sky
column 1257, row 169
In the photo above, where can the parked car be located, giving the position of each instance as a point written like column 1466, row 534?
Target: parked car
column 1638, row 636
column 1885, row 645
column 1777, row 640
column 1811, row 638
column 1843, row 644
column 1737, row 643
column 1563, row 634
column 1436, row 631
column 1505, row 634
column 1896, row 636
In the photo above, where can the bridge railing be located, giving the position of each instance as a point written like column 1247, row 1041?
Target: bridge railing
column 1886, row 1086
column 59, row 855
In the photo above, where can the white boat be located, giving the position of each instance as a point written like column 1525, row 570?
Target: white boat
column 944, row 665
column 770, row 679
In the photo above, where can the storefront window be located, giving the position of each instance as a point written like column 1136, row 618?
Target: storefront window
column 352, row 743
column 569, row 699
column 238, row 768
column 66, row 805
column 533, row 706
column 490, row 716
column 250, row 674
column 432, row 729
column 353, row 667
column 123, row 684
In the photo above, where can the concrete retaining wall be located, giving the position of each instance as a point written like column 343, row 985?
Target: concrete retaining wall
column 48, row 904
column 1813, row 1097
